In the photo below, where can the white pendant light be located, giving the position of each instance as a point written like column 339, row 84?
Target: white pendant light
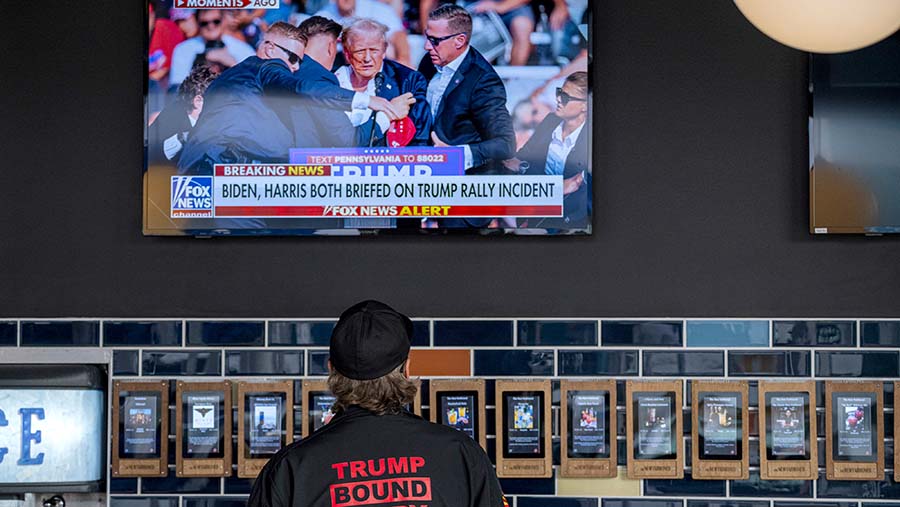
column 824, row 26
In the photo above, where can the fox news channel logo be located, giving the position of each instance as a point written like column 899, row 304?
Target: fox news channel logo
column 192, row 196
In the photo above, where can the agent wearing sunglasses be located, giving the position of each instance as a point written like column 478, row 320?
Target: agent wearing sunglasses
column 212, row 46
column 559, row 146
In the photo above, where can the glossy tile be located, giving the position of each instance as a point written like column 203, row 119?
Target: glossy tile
column 79, row 333
column 126, row 362
column 318, row 363
column 886, row 489
column 814, row 333
column 225, row 333
column 755, row 487
column 421, row 333
column 770, row 363
column 292, row 333
column 688, row 363
column 815, row 504
column 461, row 333
column 143, row 501
column 175, row 363
column 612, row 487
column 638, row 502
column 727, row 333
column 123, row 486
column 529, row 486
column 514, row 362
column 9, row 332
column 163, row 333
column 212, row 501
column 880, row 334
column 857, row 364
column 727, row 503
column 642, row 333
column 174, row 484
column 264, row 362
column 581, row 363
column 525, row 501
column 545, row 333
column 237, row 486
column 434, row 362
column 683, row 487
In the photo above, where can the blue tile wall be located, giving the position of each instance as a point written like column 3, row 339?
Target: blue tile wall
column 815, row 333
column 60, row 334
column 880, row 334
column 727, row 333
column 9, row 334
column 126, row 362
column 684, row 364
column 176, row 363
column 857, row 364
column 592, row 363
column 142, row 334
column 771, row 363
column 227, row 334
column 514, row 362
column 300, row 333
column 264, row 362
column 545, row 333
column 644, row 334
column 473, row 333
column 529, row 348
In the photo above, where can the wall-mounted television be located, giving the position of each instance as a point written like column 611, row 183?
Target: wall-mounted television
column 854, row 140
column 52, row 428
column 251, row 131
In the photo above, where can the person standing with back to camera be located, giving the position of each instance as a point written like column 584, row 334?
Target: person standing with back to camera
column 374, row 452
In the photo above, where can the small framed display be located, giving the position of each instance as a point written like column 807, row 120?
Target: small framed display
column 654, row 427
column 854, row 431
column 460, row 405
column 588, row 429
column 896, row 432
column 203, row 429
column 524, row 425
column 317, row 401
column 265, row 423
column 721, row 444
column 787, row 430
column 140, row 429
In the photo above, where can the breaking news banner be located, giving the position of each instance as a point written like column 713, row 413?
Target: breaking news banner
column 227, row 4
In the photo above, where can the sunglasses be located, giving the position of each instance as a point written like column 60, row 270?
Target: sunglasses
column 294, row 58
column 564, row 98
column 217, row 22
column 435, row 41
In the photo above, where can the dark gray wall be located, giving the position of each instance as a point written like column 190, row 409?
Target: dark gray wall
column 701, row 194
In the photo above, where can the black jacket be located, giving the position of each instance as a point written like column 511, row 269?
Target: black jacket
column 318, row 125
column 400, row 79
column 577, row 205
column 389, row 460
column 473, row 111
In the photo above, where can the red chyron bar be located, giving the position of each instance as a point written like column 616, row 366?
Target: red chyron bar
column 389, row 211
column 386, row 491
column 227, row 4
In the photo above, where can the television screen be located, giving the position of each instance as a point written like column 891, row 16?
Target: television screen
column 265, row 431
column 588, row 436
column 203, row 418
column 720, row 426
column 52, row 428
column 654, row 425
column 787, row 423
column 467, row 120
column 140, row 424
column 320, row 412
column 523, row 414
column 854, row 423
column 459, row 410
column 853, row 133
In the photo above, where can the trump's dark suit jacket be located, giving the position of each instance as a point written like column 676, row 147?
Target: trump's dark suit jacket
column 473, row 111
column 400, row 79
column 577, row 205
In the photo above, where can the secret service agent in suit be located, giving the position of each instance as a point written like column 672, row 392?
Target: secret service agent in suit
column 466, row 95
column 560, row 145
column 365, row 44
column 318, row 125
column 242, row 113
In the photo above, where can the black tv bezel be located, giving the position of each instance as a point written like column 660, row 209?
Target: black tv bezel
column 769, row 414
column 542, row 448
column 570, row 434
column 701, row 429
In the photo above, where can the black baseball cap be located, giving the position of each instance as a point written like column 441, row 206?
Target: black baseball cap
column 370, row 340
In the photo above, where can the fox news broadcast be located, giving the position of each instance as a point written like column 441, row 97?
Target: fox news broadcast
column 348, row 117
